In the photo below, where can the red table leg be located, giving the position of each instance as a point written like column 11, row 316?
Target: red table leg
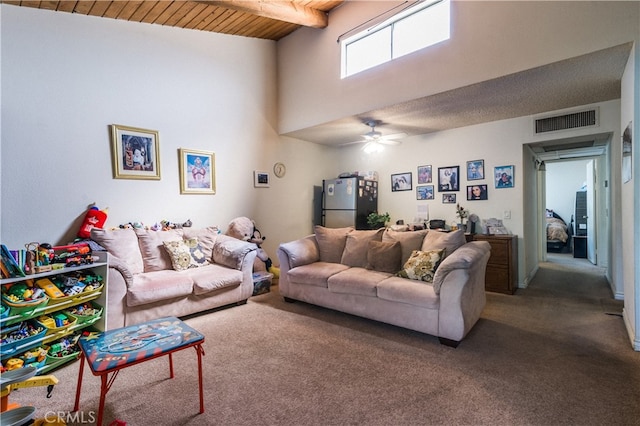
column 170, row 366
column 200, row 352
column 77, row 404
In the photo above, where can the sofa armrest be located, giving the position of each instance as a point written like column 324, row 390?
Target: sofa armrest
column 119, row 280
column 460, row 281
column 232, row 252
column 296, row 253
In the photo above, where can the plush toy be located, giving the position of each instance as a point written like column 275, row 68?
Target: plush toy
column 244, row 229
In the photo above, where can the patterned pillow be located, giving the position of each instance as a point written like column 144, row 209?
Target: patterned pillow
column 422, row 265
column 185, row 254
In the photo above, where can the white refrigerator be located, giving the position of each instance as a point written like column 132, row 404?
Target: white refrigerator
column 348, row 202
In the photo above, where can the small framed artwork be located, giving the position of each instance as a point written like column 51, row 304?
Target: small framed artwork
column 475, row 170
column 503, row 176
column 626, row 154
column 448, row 198
column 401, row 182
column 424, row 192
column 448, row 178
column 476, row 192
column 197, row 171
column 424, row 175
column 136, row 153
column 260, row 179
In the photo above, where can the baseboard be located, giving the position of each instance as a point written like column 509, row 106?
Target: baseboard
column 635, row 343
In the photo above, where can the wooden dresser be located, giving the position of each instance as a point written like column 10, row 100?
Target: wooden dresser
column 502, row 268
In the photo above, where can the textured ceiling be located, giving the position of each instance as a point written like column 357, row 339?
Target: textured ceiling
column 582, row 80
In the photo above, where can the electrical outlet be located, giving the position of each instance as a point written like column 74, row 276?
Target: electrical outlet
column 507, row 214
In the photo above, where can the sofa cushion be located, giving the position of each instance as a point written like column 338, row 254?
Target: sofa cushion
column 409, row 241
column 331, row 242
column 121, row 243
column 357, row 245
column 158, row 285
column 301, row 252
column 422, row 265
column 444, row 240
column 384, row 256
column 315, row 274
column 230, row 252
column 185, row 254
column 356, row 281
column 206, row 237
column 213, row 277
column 154, row 255
column 414, row 293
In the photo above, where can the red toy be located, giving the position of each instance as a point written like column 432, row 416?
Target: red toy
column 95, row 218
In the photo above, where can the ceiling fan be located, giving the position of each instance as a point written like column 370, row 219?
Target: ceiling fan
column 374, row 140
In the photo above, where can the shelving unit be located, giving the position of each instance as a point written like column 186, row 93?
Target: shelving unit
column 99, row 267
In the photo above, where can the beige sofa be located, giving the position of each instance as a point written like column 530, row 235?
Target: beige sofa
column 355, row 272
column 143, row 282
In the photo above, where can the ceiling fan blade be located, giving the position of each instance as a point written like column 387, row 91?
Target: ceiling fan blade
column 394, row 136
column 388, row 142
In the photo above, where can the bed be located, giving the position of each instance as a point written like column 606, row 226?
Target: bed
column 558, row 233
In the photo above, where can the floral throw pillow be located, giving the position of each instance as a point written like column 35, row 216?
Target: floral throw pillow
column 422, row 265
column 185, row 254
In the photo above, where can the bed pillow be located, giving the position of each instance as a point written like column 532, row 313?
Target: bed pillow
column 384, row 256
column 186, row 254
column 422, row 265
column 331, row 242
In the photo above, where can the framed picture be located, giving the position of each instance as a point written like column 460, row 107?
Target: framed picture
column 260, row 179
column 136, row 153
column 626, row 154
column 448, row 198
column 476, row 192
column 424, row 192
column 448, row 178
column 197, row 171
column 401, row 182
column 503, row 176
column 475, row 170
column 424, row 175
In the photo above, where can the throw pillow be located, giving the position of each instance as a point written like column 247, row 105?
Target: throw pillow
column 355, row 249
column 384, row 256
column 449, row 241
column 409, row 241
column 185, row 254
column 121, row 243
column 331, row 242
column 422, row 265
column 154, row 256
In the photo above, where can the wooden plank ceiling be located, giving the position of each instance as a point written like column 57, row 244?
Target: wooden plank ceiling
column 264, row 19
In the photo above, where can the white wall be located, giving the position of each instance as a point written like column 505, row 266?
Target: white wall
column 564, row 178
column 66, row 78
column 488, row 40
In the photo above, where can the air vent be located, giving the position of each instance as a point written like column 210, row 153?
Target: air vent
column 567, row 121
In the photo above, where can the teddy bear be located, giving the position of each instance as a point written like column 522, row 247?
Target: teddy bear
column 244, row 229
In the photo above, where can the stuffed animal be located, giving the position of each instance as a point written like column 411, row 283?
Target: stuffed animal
column 244, row 229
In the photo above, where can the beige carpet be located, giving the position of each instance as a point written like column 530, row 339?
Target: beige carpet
column 550, row 354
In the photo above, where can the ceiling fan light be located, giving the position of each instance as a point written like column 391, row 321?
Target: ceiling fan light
column 372, row 147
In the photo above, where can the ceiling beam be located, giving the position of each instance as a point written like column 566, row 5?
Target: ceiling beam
column 287, row 11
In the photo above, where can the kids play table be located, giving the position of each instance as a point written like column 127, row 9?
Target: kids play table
column 109, row 352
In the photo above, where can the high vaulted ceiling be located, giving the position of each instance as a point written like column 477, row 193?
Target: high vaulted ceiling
column 270, row 20
column 583, row 80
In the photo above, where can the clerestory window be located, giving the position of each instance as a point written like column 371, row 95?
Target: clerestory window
column 421, row 25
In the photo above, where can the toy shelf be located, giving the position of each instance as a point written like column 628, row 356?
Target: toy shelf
column 99, row 267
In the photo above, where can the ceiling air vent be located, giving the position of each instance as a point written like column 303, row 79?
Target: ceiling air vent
column 567, row 121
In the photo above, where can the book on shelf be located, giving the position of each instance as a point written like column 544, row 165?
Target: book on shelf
column 10, row 267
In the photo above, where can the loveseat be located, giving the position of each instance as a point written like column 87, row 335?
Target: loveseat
column 177, row 272
column 428, row 281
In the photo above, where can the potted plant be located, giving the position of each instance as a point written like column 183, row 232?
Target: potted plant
column 462, row 215
column 377, row 220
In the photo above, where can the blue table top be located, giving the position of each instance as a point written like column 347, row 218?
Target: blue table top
column 119, row 347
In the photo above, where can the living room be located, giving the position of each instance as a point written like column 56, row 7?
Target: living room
column 66, row 78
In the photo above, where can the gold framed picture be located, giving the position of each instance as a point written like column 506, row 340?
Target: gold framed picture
column 197, row 171
column 136, row 153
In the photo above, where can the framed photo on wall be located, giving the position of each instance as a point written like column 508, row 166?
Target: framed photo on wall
column 424, row 192
column 424, row 175
column 476, row 192
column 475, row 170
column 503, row 176
column 136, row 153
column 627, row 169
column 401, row 182
column 448, row 198
column 260, row 179
column 197, row 171
column 448, row 178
